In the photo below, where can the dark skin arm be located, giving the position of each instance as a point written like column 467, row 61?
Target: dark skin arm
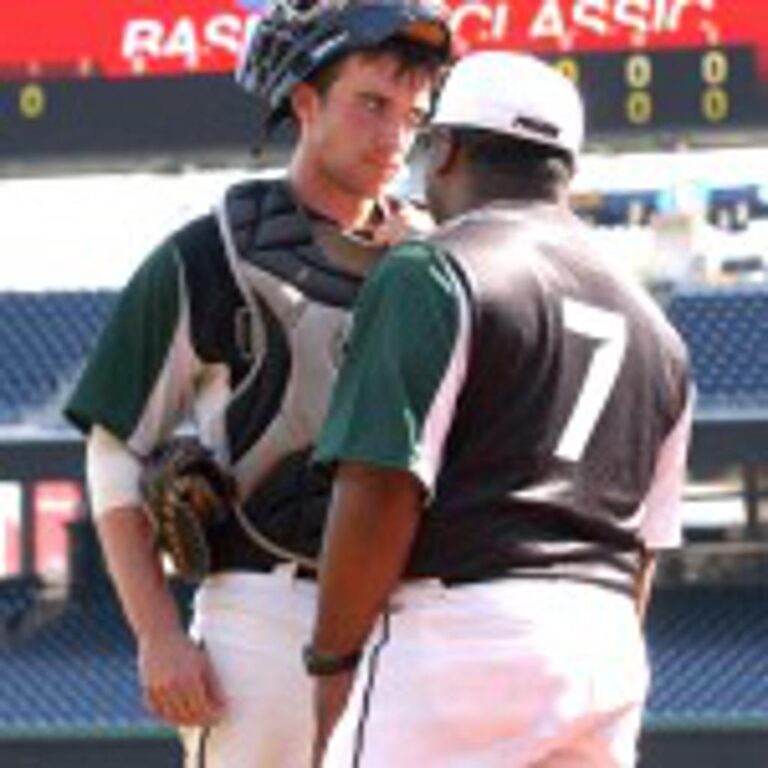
column 644, row 584
column 372, row 523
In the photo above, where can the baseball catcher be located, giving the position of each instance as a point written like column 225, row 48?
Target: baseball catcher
column 234, row 326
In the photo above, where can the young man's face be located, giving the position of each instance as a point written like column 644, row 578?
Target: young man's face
column 360, row 132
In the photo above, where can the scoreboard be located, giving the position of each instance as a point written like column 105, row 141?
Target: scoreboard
column 645, row 67
column 118, row 80
column 678, row 91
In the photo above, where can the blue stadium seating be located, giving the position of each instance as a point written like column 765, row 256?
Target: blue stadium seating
column 708, row 650
column 44, row 338
column 730, row 208
column 17, row 596
column 726, row 330
column 77, row 673
column 707, row 647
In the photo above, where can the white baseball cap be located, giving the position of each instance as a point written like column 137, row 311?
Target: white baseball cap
column 514, row 94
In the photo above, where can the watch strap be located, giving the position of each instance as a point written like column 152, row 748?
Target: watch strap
column 325, row 665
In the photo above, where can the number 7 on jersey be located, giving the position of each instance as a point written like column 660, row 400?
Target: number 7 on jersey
column 610, row 330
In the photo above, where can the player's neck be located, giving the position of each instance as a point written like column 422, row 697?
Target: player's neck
column 349, row 211
column 481, row 198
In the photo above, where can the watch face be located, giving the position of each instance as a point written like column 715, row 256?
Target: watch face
column 325, row 665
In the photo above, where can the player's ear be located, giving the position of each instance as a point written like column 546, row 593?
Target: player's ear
column 304, row 102
column 443, row 150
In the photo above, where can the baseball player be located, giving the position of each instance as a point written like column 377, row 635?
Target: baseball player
column 234, row 325
column 505, row 471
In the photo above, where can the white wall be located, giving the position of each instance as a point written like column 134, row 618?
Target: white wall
column 92, row 231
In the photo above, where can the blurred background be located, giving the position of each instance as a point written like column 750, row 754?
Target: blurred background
column 119, row 120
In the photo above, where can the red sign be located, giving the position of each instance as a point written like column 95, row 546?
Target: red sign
column 118, row 38
column 55, row 503
column 581, row 26
column 10, row 529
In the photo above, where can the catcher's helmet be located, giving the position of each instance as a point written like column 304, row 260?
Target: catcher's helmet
column 298, row 37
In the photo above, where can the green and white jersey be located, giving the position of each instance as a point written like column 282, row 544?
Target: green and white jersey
column 234, row 325
column 151, row 363
column 400, row 378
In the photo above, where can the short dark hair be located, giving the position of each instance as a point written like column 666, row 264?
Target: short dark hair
column 412, row 56
column 526, row 168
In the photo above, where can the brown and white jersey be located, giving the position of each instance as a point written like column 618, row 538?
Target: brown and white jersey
column 540, row 396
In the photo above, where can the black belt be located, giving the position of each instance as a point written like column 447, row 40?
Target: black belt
column 614, row 585
column 251, row 560
column 300, row 572
column 304, row 573
column 232, row 550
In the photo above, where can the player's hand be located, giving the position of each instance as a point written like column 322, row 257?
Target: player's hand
column 331, row 694
column 178, row 680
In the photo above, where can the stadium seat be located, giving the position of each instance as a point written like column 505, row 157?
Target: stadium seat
column 708, row 652
column 78, row 673
column 44, row 339
column 726, row 331
column 18, row 595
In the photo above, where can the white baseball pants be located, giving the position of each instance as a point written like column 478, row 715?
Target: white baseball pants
column 254, row 625
column 517, row 673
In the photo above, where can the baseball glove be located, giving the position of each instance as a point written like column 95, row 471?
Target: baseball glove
column 185, row 493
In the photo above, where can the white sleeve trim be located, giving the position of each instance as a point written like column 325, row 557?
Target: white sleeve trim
column 661, row 523
column 441, row 412
column 172, row 396
column 112, row 473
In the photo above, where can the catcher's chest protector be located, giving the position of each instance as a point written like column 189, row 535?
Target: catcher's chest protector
column 292, row 328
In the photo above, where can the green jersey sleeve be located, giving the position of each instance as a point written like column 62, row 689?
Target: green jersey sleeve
column 403, row 368
column 135, row 382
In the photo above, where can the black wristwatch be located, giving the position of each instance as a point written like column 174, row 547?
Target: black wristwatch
column 325, row 665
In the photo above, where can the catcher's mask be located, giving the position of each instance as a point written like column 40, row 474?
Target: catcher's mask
column 298, row 37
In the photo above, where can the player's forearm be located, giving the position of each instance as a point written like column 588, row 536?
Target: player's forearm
column 372, row 523
column 644, row 584
column 126, row 536
column 126, row 539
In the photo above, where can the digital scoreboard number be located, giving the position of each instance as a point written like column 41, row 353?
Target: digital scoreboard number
column 119, row 121
column 670, row 91
column 128, row 79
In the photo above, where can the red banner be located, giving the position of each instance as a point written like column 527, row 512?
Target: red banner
column 118, row 38
column 586, row 25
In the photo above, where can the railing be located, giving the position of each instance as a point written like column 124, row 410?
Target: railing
column 721, row 441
